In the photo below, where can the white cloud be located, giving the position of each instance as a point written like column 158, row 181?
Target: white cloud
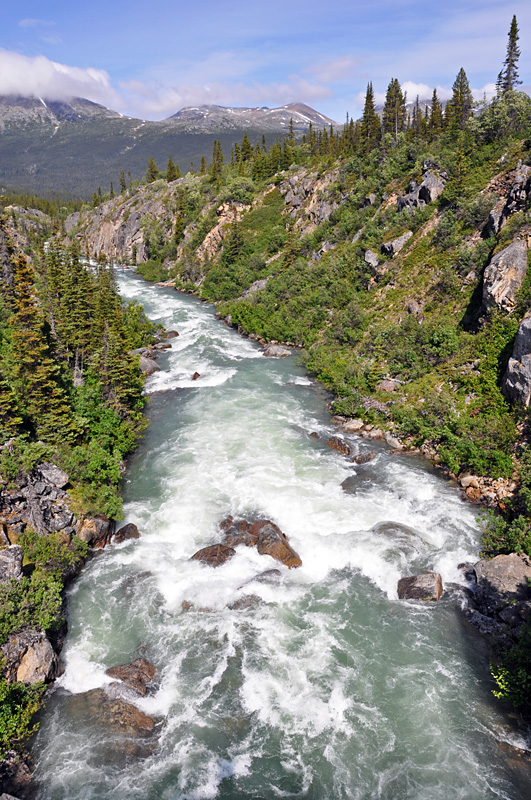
column 35, row 23
column 339, row 69
column 41, row 77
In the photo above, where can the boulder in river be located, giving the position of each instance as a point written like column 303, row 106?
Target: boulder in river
column 262, row 534
column 129, row 531
column 214, row 555
column 138, row 675
column 115, row 714
column 428, row 586
column 339, row 444
column 272, row 542
column 148, row 366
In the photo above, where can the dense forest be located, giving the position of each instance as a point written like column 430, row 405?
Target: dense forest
column 366, row 248
column 71, row 395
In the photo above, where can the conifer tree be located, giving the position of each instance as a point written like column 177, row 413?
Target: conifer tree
column 394, row 112
column 508, row 77
column 152, row 172
column 435, row 119
column 459, row 108
column 370, row 122
column 123, row 185
column 35, row 377
column 246, row 150
column 172, row 172
column 203, row 167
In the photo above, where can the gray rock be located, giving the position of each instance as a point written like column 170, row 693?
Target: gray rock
column 276, row 351
column 11, row 563
column 504, row 276
column 516, row 382
column 371, row 258
column 395, row 245
column 53, row 475
column 421, row 587
column 431, row 187
column 501, row 581
column 29, row 657
column 148, row 366
column 370, row 200
column 62, row 519
column 257, row 286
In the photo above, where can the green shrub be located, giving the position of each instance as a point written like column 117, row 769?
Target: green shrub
column 18, row 704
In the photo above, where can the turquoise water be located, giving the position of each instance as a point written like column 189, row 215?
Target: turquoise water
column 325, row 686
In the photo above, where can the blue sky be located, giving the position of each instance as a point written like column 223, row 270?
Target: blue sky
column 149, row 59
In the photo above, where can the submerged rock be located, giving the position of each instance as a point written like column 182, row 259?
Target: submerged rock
column 428, row 586
column 339, row 444
column 116, row 714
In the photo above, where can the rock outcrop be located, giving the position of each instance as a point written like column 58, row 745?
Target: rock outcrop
column 310, row 199
column 96, row 531
column 500, row 596
column 515, row 198
column 517, row 379
column 394, row 246
column 428, row 586
column 11, row 563
column 418, row 195
column 28, row 656
column 504, row 276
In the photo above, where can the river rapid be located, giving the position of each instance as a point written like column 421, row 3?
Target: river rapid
column 325, row 688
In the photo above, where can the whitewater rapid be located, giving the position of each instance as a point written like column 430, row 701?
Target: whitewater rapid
column 324, row 686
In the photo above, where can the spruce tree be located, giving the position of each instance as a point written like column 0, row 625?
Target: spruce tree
column 459, row 108
column 508, row 77
column 123, row 185
column 172, row 172
column 394, row 111
column 435, row 119
column 370, row 122
column 152, row 172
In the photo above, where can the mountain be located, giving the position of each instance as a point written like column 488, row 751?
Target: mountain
column 70, row 148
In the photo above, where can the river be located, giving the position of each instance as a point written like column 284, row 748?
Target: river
column 326, row 686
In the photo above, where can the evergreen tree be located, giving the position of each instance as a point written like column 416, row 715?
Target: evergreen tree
column 508, row 77
column 394, row 112
column 123, row 185
column 152, row 172
column 435, row 118
column 111, row 193
column 172, row 172
column 203, row 167
column 370, row 122
column 459, row 108
column 246, row 150
column 217, row 160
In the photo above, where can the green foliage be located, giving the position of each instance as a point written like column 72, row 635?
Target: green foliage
column 512, row 671
column 50, row 553
column 18, row 704
column 33, row 602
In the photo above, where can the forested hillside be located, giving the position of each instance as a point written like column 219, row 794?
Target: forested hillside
column 394, row 254
column 70, row 410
